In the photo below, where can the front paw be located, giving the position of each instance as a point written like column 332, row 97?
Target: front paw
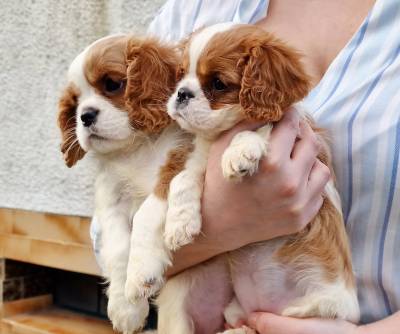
column 242, row 157
column 145, row 278
column 137, row 288
column 181, row 227
column 127, row 318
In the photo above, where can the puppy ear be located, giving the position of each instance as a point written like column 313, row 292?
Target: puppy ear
column 273, row 79
column 67, row 122
column 151, row 79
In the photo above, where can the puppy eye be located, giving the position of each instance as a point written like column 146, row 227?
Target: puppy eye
column 218, row 84
column 111, row 86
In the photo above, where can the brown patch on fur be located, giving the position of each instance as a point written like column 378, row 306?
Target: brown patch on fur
column 148, row 70
column 151, row 80
column 67, row 123
column 324, row 240
column 106, row 59
column 175, row 163
column 260, row 72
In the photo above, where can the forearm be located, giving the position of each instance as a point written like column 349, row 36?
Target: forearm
column 263, row 206
column 190, row 255
column 389, row 325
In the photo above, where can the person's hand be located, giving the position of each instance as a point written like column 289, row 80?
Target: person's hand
column 267, row 323
column 281, row 199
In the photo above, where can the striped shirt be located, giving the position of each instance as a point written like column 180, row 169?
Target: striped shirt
column 358, row 101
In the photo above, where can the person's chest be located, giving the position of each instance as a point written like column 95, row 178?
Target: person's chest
column 318, row 29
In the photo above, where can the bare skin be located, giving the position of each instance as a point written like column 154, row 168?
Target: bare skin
column 319, row 29
column 286, row 193
column 266, row 323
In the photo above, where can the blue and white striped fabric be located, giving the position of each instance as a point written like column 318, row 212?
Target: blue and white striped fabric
column 358, row 101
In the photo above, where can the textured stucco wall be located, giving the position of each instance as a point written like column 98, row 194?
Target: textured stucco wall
column 38, row 40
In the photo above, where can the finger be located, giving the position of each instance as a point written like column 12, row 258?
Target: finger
column 313, row 207
column 267, row 323
column 305, row 150
column 314, row 191
column 318, row 178
column 284, row 134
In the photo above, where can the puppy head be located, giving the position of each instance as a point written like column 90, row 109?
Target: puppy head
column 117, row 92
column 233, row 72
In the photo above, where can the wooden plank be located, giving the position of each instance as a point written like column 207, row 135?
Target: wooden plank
column 61, row 255
column 26, row 305
column 45, row 226
column 2, row 269
column 6, row 219
column 56, row 321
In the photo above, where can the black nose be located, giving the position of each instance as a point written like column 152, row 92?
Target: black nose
column 88, row 116
column 184, row 94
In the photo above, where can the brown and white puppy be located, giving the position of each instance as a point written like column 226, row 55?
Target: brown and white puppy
column 115, row 106
column 231, row 73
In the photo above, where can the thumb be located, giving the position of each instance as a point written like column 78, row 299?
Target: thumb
column 268, row 323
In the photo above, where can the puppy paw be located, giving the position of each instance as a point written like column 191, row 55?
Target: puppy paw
column 142, row 288
column 242, row 156
column 145, row 278
column 125, row 317
column 181, row 227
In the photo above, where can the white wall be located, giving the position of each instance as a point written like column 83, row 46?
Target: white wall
column 38, row 40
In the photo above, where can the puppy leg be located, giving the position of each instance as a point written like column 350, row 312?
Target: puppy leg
column 172, row 313
column 125, row 317
column 327, row 301
column 244, row 153
column 234, row 314
column 184, row 216
column 235, row 318
column 148, row 256
column 183, row 221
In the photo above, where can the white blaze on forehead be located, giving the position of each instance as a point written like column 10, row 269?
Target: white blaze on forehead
column 75, row 72
column 200, row 41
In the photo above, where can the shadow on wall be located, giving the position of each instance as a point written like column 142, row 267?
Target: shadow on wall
column 38, row 41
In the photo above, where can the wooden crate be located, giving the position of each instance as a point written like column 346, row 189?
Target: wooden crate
column 38, row 316
column 50, row 240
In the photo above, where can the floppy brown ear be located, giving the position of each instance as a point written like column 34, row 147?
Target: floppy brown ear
column 151, row 80
column 273, row 79
column 67, row 122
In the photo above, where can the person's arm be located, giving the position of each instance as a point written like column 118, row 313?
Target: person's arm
column 266, row 323
column 280, row 199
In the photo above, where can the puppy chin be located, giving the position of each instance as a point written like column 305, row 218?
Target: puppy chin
column 93, row 142
column 105, row 146
column 198, row 118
